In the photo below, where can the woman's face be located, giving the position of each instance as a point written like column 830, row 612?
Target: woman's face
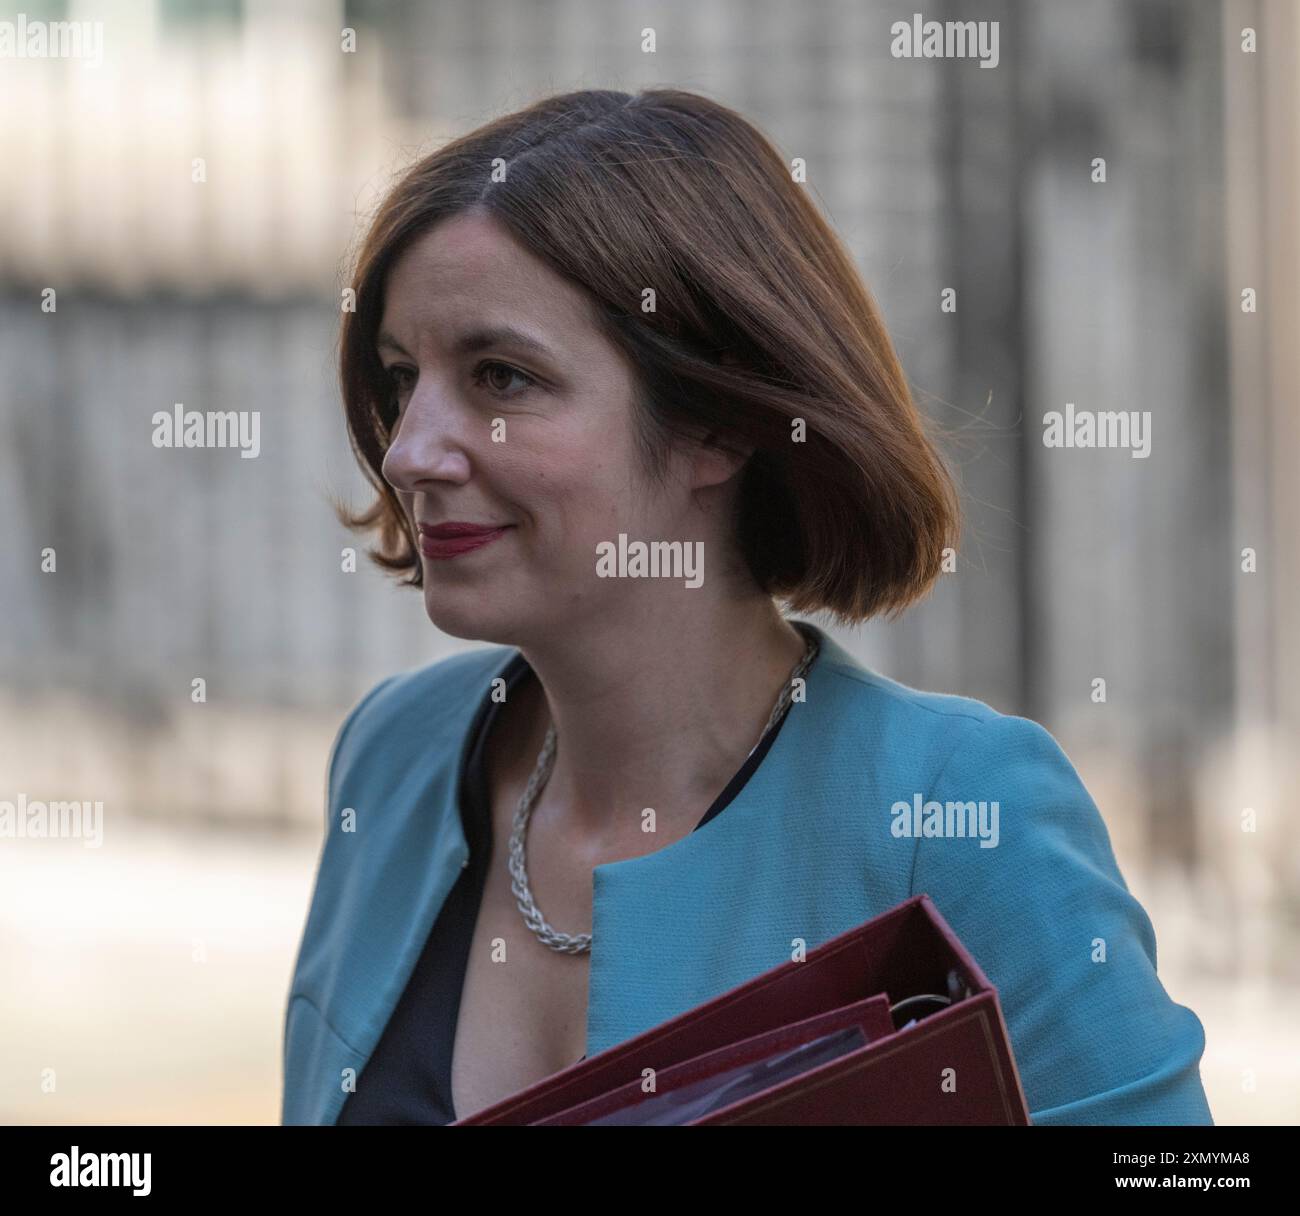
column 516, row 419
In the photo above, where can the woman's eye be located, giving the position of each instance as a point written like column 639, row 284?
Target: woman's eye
column 497, row 378
column 397, row 377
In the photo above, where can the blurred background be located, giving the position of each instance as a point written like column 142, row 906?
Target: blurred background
column 191, row 197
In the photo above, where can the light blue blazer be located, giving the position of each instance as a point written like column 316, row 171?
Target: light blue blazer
column 813, row 844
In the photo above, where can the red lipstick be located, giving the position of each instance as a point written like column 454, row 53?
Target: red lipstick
column 455, row 537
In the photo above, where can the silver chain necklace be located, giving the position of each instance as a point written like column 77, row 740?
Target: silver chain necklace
column 580, row 943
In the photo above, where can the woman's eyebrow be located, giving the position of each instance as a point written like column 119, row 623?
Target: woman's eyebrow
column 475, row 340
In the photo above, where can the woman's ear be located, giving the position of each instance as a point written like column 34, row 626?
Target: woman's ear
column 715, row 462
column 707, row 457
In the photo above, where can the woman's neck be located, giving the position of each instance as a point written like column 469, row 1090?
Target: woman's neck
column 660, row 715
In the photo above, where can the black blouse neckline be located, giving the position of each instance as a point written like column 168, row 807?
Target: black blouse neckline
column 473, row 773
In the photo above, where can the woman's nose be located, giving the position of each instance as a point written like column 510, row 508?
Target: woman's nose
column 428, row 445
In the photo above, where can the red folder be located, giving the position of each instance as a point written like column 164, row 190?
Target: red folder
column 935, row 1047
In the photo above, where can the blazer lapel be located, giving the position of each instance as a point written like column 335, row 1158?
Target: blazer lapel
column 382, row 885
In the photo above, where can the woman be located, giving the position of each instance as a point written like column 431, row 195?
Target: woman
column 621, row 392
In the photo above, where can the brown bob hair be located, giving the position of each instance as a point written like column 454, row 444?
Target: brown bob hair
column 760, row 321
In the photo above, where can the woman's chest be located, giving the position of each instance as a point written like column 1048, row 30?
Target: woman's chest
column 523, row 1005
column 523, row 1010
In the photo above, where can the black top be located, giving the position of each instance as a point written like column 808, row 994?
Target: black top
column 407, row 1079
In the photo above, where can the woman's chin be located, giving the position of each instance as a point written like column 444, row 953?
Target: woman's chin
column 469, row 620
